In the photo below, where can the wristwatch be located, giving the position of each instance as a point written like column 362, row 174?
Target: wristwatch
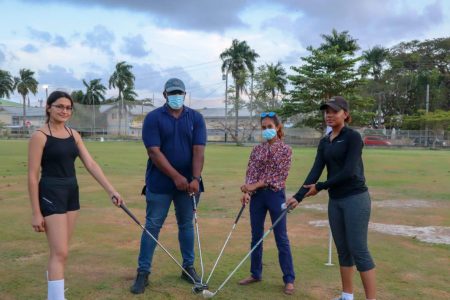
column 198, row 178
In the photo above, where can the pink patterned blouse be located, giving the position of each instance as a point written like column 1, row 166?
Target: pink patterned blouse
column 269, row 163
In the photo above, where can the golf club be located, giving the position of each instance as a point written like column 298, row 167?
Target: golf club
column 226, row 242
column 204, row 286
column 198, row 287
column 208, row 294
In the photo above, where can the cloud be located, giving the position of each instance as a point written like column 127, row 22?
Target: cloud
column 30, row 48
column 204, row 15
column 60, row 42
column 2, row 57
column 39, row 35
column 59, row 77
column 100, row 38
column 371, row 22
column 148, row 78
column 134, row 46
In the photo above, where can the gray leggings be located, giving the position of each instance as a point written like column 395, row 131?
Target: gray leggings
column 349, row 221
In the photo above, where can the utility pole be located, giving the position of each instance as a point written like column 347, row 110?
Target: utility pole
column 427, row 106
column 225, row 77
column 251, row 100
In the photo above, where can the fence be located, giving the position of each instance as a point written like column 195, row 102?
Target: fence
column 107, row 122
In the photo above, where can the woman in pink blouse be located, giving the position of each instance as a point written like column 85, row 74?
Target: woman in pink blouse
column 267, row 170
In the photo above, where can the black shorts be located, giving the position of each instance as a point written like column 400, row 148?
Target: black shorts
column 58, row 195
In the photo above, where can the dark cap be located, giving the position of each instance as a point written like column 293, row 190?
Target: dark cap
column 336, row 103
column 174, row 84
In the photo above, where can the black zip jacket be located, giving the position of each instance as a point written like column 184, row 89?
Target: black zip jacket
column 345, row 168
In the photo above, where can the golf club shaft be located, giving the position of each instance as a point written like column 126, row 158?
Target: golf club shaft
column 283, row 214
column 226, row 242
column 129, row 213
column 198, row 237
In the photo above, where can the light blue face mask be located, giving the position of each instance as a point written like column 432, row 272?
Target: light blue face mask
column 175, row 101
column 269, row 134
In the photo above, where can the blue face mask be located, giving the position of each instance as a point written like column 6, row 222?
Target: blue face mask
column 175, row 101
column 269, row 134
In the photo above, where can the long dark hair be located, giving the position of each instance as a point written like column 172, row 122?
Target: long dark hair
column 276, row 120
column 52, row 98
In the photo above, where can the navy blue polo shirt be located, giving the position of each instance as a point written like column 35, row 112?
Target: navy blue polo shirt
column 175, row 138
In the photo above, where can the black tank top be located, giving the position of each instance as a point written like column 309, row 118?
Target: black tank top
column 58, row 157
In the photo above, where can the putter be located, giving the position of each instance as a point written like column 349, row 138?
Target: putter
column 202, row 286
column 198, row 287
column 226, row 242
column 208, row 294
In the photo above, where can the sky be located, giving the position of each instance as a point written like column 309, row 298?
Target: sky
column 65, row 41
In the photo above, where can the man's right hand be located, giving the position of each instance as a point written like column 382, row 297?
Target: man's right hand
column 181, row 183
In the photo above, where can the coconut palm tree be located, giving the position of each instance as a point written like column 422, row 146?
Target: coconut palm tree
column 374, row 59
column 342, row 40
column 121, row 79
column 24, row 84
column 275, row 81
column 95, row 93
column 6, row 84
column 238, row 60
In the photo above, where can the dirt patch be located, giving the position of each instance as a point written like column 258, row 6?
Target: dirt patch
column 427, row 234
column 413, row 203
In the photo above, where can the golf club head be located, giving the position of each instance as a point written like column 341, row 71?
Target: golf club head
column 199, row 288
column 208, row 294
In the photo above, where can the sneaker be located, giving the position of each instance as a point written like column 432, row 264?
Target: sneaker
column 192, row 272
column 140, row 283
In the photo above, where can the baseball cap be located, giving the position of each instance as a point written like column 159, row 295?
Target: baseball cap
column 336, row 103
column 174, row 84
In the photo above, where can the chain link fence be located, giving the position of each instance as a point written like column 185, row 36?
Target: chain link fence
column 114, row 121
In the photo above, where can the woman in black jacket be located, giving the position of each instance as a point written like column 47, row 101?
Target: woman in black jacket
column 349, row 200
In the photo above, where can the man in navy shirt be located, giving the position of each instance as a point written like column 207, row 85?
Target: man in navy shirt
column 175, row 138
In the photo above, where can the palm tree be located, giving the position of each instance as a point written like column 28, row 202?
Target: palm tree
column 121, row 79
column 24, row 84
column 6, row 84
column 239, row 59
column 374, row 59
column 342, row 40
column 95, row 93
column 129, row 94
column 275, row 81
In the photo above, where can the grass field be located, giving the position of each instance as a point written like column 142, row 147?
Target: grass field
column 103, row 252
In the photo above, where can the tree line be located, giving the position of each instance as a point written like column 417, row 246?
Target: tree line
column 386, row 87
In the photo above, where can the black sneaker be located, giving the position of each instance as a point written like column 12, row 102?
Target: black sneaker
column 191, row 272
column 140, row 283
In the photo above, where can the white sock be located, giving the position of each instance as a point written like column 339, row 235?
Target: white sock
column 347, row 296
column 55, row 290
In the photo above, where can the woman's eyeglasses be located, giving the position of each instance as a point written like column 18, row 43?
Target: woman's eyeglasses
column 61, row 107
column 269, row 114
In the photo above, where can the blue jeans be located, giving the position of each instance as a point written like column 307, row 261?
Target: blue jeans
column 349, row 221
column 157, row 208
column 261, row 202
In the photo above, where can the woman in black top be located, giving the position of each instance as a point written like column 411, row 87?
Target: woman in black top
column 349, row 204
column 54, row 196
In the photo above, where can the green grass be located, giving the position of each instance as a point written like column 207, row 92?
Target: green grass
column 104, row 249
